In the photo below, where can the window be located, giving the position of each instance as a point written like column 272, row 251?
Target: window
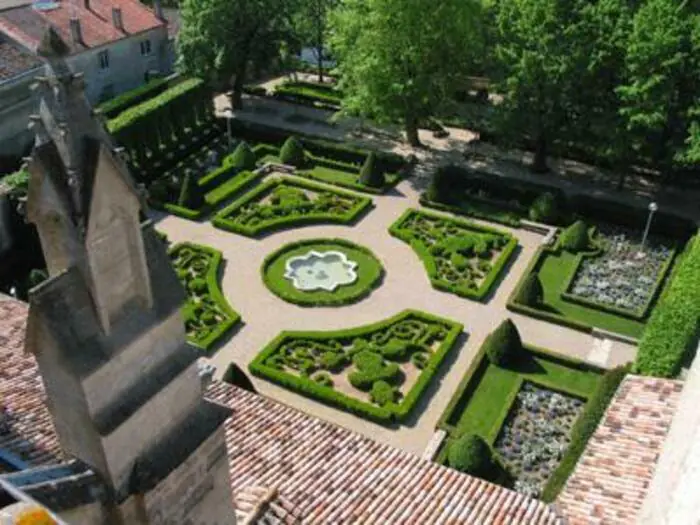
column 103, row 57
column 145, row 47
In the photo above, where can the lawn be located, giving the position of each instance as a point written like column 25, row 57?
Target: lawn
column 554, row 273
column 311, row 91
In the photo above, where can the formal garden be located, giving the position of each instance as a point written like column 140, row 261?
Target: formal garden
column 531, row 411
column 377, row 371
column 460, row 257
column 206, row 313
column 322, row 272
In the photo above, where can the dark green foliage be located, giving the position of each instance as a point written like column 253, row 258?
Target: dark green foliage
column 419, row 359
column 575, row 238
column 116, row 105
column 504, row 345
column 237, row 377
column 371, row 368
column 17, row 182
column 370, row 174
column 673, row 328
column 323, row 379
column 382, row 393
column 444, row 185
column 197, row 285
column 292, row 152
column 583, row 429
column 333, row 361
column 243, row 157
column 545, row 209
column 530, row 292
column 395, row 349
column 36, row 277
column 472, row 455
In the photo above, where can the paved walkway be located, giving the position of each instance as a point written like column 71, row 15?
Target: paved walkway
column 406, row 285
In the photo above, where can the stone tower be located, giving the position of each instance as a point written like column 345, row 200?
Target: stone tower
column 122, row 383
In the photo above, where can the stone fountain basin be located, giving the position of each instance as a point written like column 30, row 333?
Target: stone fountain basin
column 320, row 270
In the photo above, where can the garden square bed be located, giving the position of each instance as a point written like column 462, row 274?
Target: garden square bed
column 459, row 256
column 525, row 411
column 283, row 202
column 377, row 371
column 206, row 312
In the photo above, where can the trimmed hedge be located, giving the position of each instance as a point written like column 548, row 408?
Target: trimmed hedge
column 369, row 175
column 472, row 455
column 357, row 206
column 292, row 152
column 116, row 105
column 369, row 273
column 545, row 209
column 201, row 289
column 428, row 258
column 382, row 414
column 243, row 157
column 530, row 292
column 503, row 345
column 672, row 331
column 583, row 429
column 575, row 238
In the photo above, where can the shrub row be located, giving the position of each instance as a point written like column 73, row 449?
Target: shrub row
column 150, row 89
column 221, row 220
column 384, row 414
column 583, row 429
column 673, row 328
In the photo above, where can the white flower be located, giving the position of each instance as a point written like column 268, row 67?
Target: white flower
column 320, row 271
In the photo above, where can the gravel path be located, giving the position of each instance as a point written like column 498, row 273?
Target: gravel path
column 406, row 285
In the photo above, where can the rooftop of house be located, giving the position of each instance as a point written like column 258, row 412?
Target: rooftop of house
column 15, row 61
column 26, row 24
column 288, row 467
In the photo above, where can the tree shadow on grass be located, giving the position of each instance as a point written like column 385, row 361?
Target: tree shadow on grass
column 424, row 400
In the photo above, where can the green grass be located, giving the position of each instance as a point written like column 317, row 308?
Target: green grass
column 554, row 273
column 484, row 410
column 369, row 273
column 320, row 92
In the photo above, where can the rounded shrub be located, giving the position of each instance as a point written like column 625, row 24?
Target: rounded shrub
column 292, row 152
column 197, row 285
column 369, row 174
column 575, row 237
column 472, row 455
column 503, row 344
column 531, row 292
column 382, row 393
column 243, row 157
column 545, row 208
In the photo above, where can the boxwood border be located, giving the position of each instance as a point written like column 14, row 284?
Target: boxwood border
column 392, row 412
column 428, row 260
column 311, row 302
column 220, row 219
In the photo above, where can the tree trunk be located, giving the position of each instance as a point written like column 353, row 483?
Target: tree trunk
column 319, row 55
column 238, row 83
column 412, row 131
column 539, row 164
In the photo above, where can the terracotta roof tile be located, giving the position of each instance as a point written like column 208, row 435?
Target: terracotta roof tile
column 612, row 476
column 26, row 25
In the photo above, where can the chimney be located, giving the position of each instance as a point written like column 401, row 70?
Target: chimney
column 158, row 10
column 87, row 4
column 117, row 18
column 75, row 31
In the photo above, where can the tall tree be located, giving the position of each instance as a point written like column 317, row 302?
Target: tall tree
column 657, row 90
column 220, row 39
column 311, row 25
column 400, row 59
column 538, row 69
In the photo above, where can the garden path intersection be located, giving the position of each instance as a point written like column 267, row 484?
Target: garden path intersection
column 405, row 285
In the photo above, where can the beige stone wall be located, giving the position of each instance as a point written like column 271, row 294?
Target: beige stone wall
column 198, row 492
column 673, row 495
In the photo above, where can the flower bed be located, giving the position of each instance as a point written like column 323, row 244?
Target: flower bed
column 376, row 371
column 368, row 273
column 494, row 402
column 207, row 313
column 616, row 279
column 281, row 203
column 460, row 257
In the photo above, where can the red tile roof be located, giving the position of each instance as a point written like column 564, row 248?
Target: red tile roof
column 26, row 25
column 613, row 475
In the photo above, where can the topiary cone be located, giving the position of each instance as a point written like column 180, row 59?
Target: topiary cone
column 243, row 157
column 292, row 152
column 503, row 345
column 575, row 237
column 369, row 174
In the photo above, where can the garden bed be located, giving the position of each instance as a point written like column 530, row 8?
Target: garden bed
column 282, row 202
column 312, row 94
column 361, row 273
column 525, row 411
column 377, row 371
column 556, row 270
column 206, row 312
column 460, row 257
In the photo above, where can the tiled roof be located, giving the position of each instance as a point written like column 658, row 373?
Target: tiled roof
column 265, row 506
column 333, row 475
column 613, row 475
column 14, row 61
column 26, row 24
